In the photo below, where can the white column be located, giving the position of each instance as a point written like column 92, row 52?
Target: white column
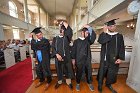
column 1, row 33
column 47, row 20
column 133, row 79
column 26, row 11
column 75, row 20
column 79, row 15
column 89, row 4
column 39, row 19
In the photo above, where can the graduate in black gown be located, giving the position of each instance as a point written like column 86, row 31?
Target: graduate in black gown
column 112, row 54
column 61, row 52
column 81, row 56
column 41, row 47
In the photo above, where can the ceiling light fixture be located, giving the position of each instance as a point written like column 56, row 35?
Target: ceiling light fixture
column 131, row 25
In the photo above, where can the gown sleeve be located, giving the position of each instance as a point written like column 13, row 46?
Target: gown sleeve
column 68, row 33
column 122, row 49
column 104, row 38
column 40, row 45
column 91, row 36
column 43, row 44
column 33, row 44
column 73, row 52
column 54, row 52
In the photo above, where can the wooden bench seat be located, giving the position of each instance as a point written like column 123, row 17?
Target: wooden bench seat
column 94, row 66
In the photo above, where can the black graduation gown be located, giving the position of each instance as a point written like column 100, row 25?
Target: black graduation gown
column 112, row 48
column 61, row 45
column 43, row 68
column 82, row 54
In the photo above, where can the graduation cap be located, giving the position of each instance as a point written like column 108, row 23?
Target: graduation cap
column 111, row 22
column 84, row 29
column 37, row 30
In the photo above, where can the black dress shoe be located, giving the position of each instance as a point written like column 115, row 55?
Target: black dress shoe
column 111, row 88
column 70, row 86
column 57, row 85
column 100, row 89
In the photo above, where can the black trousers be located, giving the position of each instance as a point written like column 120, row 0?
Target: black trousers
column 63, row 68
column 43, row 71
column 80, row 69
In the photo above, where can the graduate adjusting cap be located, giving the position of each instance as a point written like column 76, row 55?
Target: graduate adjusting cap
column 111, row 22
column 36, row 30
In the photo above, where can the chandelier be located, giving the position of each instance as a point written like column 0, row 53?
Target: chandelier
column 131, row 25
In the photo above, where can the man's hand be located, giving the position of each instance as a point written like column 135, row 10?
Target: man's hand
column 59, row 57
column 35, row 61
column 65, row 24
column 105, row 29
column 34, row 36
column 118, row 61
column 73, row 62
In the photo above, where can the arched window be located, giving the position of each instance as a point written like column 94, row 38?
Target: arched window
column 13, row 9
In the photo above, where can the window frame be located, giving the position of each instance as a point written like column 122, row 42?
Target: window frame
column 13, row 9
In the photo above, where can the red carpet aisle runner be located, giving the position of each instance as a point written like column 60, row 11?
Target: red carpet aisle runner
column 17, row 78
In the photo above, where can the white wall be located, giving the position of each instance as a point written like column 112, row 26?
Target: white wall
column 100, row 8
column 127, row 33
column 1, row 33
column 8, row 34
column 133, row 79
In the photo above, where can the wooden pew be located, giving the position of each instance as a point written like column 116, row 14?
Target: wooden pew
column 9, row 57
column 22, row 52
column 95, row 67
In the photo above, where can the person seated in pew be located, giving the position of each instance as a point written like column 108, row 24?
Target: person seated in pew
column 81, row 56
column 25, row 43
column 16, row 48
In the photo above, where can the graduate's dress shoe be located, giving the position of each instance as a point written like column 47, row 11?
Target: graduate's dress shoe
column 57, row 85
column 100, row 89
column 70, row 86
column 38, row 84
column 111, row 88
